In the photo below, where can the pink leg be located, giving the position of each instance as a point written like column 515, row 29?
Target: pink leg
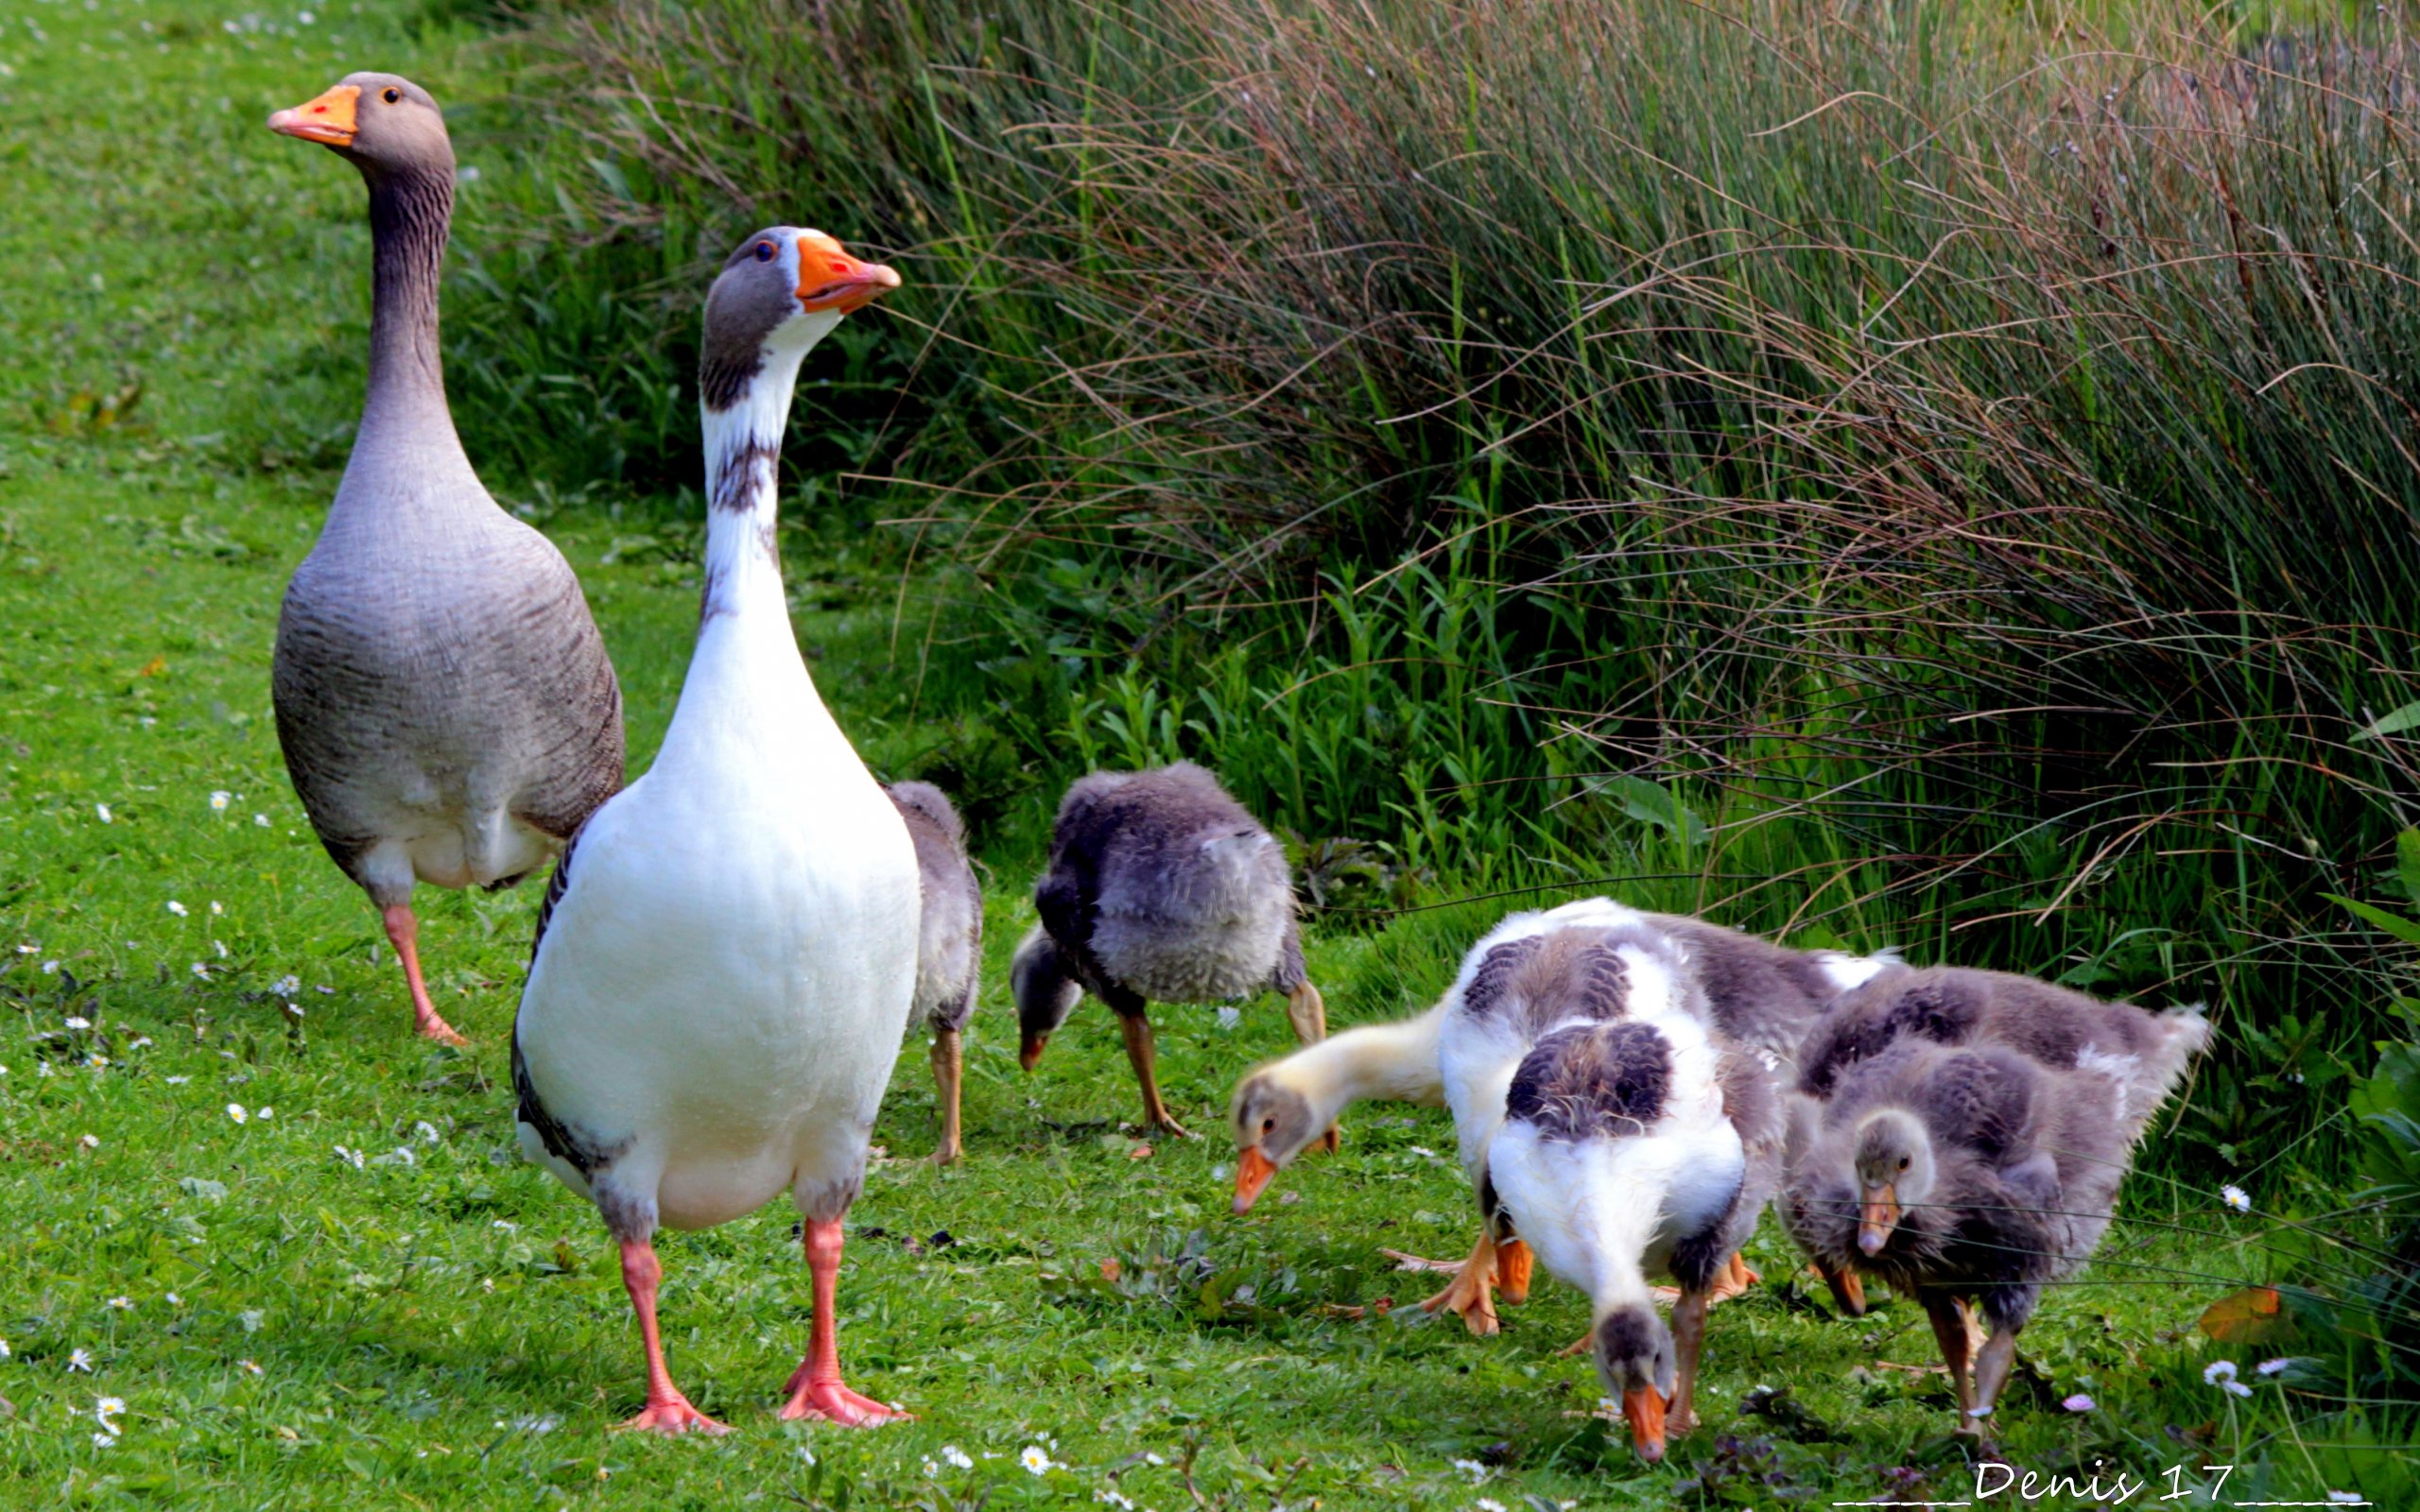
column 403, row 930
column 666, row 1409
column 815, row 1386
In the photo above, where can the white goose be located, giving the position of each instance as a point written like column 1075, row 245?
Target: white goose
column 727, row 955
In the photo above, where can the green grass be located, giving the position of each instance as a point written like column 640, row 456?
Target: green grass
column 450, row 1332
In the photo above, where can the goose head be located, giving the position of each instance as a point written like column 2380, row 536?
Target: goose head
column 1633, row 1349
column 1045, row 991
column 1893, row 1163
column 385, row 124
column 1274, row 1119
column 780, row 292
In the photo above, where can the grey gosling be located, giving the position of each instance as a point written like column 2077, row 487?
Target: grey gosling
column 1160, row 887
column 949, row 944
column 446, row 706
column 1962, row 1135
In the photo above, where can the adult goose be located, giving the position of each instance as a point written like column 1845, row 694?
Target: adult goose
column 1160, row 887
column 949, row 945
column 727, row 955
column 1634, row 1139
column 1963, row 1135
column 1762, row 995
column 445, row 703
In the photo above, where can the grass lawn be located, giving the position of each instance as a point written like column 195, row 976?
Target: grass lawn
column 298, row 1243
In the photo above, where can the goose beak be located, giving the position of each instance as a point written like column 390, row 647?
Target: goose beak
column 1643, row 1409
column 327, row 120
column 1876, row 1218
column 1029, row 1050
column 830, row 279
column 1253, row 1172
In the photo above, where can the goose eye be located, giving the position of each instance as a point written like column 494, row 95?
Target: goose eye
column 764, row 251
column 1268, row 1125
column 392, row 94
column 1903, row 1162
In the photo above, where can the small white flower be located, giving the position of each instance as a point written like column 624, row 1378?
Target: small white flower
column 932, row 1472
column 176, row 908
column 235, row 1113
column 261, row 819
column 304, row 17
column 174, row 1300
column 29, row 950
column 103, row 810
column 1423, row 1152
column 220, row 946
column 103, row 1440
column 2234, row 1197
column 219, row 798
column 201, row 971
column 91, row 1142
column 1150, row 1458
column 265, row 1112
column 141, row 1041
column 1115, row 1499
column 1034, row 1459
column 1473, row 1468
column 1230, row 1016
column 287, row 986
column 351, row 1158
column 249, row 1367
column 2220, row 1373
column 955, row 1455
column 50, row 967
column 426, row 1131
column 2272, row 1367
column 4, row 1349
column 1488, row 1503
column 80, row 1359
column 122, row 1304
column 106, row 1409
column 214, row 909
column 176, row 1082
column 805, row 1454
column 2078, row 1402
column 77, row 1021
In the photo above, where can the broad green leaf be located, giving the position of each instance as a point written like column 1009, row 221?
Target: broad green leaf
column 2405, row 929
column 2406, row 718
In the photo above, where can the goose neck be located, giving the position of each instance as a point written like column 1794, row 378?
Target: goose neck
column 743, row 455
column 410, row 211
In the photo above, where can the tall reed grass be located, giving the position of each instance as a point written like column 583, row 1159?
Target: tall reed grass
column 1940, row 474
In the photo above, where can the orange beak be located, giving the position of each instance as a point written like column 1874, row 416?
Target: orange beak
column 1876, row 1218
column 327, row 120
column 1029, row 1050
column 830, row 279
column 1643, row 1409
column 1253, row 1172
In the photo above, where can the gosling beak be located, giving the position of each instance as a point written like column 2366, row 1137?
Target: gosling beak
column 1876, row 1218
column 830, row 279
column 1252, row 1172
column 327, row 120
column 1333, row 1140
column 1029, row 1050
column 1643, row 1409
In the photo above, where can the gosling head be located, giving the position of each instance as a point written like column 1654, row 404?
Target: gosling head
column 1632, row 1347
column 1045, row 993
column 1273, row 1122
column 1895, row 1170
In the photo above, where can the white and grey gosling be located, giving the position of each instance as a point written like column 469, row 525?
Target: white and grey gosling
column 444, row 700
column 949, row 946
column 1160, row 887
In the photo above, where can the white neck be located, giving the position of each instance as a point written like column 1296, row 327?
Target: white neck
column 1396, row 1062
column 1625, row 1228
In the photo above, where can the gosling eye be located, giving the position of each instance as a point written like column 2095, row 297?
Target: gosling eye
column 1903, row 1162
column 392, row 94
column 764, row 251
column 1268, row 1125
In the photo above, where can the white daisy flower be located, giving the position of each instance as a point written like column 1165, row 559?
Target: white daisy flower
column 2272, row 1368
column 261, row 819
column 1473, row 1468
column 103, row 1440
column 4, row 1350
column 77, row 1021
column 1115, row 1499
column 1034, row 1459
column 235, row 1113
column 29, row 950
column 287, row 986
column 50, row 967
column 1488, row 1503
column 426, row 1131
column 201, row 971
column 266, row 1112
column 122, row 1304
column 91, row 1142
column 103, row 810
column 2234, row 1197
column 214, row 909
column 106, row 1409
column 141, row 1041
column 249, row 1369
column 2221, row 1374
column 955, row 1455
column 220, row 946
column 219, row 798
column 174, row 1300
column 176, row 1082
column 932, row 1472
column 176, row 908
column 80, row 1359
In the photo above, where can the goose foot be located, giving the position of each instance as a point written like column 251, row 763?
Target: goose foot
column 815, row 1386
column 671, row 1419
column 1472, row 1292
column 832, row 1402
column 1847, row 1289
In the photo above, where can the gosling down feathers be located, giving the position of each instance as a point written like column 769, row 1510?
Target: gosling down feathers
column 1160, row 887
column 1762, row 995
column 949, row 946
column 1633, row 1138
column 444, row 700
column 728, row 955
column 1963, row 1134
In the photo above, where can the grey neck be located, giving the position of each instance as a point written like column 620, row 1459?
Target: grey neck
column 409, row 214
